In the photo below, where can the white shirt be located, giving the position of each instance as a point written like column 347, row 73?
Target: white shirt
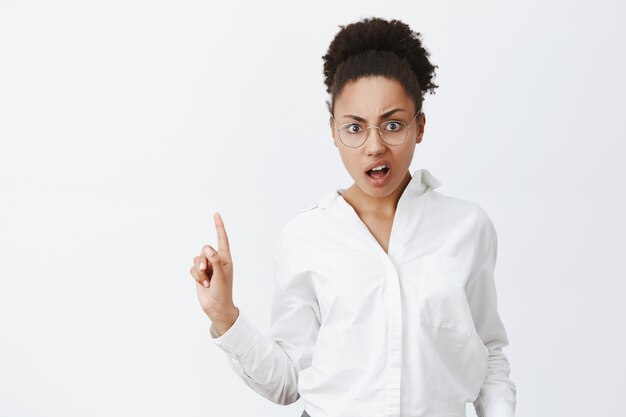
column 358, row 332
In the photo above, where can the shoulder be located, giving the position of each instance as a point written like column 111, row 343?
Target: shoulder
column 463, row 211
column 299, row 225
column 304, row 221
column 457, row 205
column 309, row 208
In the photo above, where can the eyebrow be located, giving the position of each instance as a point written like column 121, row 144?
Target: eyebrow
column 386, row 114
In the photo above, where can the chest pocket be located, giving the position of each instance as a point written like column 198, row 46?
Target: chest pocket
column 442, row 300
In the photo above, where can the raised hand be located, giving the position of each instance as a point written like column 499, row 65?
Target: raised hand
column 213, row 273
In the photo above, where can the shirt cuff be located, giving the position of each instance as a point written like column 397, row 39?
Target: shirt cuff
column 500, row 408
column 238, row 339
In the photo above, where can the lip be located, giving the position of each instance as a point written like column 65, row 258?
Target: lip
column 379, row 162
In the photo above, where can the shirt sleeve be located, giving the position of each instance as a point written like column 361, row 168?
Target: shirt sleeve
column 270, row 364
column 497, row 396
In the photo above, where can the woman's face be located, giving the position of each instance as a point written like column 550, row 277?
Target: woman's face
column 369, row 98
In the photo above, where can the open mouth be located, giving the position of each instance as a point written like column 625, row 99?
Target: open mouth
column 377, row 173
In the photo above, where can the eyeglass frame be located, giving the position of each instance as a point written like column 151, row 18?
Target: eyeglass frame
column 377, row 127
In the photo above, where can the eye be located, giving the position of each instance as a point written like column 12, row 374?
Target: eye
column 393, row 126
column 352, row 128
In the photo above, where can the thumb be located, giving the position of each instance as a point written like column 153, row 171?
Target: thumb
column 216, row 263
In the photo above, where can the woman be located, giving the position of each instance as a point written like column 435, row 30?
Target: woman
column 385, row 301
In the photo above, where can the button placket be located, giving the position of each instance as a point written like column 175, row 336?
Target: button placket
column 393, row 300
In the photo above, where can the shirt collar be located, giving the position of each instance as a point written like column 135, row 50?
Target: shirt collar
column 421, row 181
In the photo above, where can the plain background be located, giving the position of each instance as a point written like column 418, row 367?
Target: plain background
column 125, row 125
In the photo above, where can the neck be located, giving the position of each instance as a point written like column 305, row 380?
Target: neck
column 382, row 206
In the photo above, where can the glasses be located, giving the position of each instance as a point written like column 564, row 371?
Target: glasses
column 392, row 132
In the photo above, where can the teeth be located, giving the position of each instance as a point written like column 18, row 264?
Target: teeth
column 378, row 168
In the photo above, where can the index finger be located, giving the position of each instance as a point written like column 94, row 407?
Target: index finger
column 222, row 238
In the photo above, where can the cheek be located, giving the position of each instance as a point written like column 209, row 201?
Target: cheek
column 345, row 155
column 351, row 162
column 406, row 154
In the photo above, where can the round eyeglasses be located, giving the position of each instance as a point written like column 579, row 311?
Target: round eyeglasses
column 392, row 132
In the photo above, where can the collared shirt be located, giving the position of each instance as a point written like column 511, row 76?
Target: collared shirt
column 359, row 332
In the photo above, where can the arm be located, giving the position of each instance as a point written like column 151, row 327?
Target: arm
column 270, row 364
column 497, row 397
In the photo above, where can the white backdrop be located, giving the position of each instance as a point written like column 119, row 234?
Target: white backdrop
column 125, row 125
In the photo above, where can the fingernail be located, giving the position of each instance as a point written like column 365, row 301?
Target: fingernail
column 202, row 266
column 205, row 283
column 210, row 251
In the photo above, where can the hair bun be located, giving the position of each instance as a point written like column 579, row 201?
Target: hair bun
column 381, row 35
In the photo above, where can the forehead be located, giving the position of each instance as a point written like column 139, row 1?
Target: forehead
column 371, row 96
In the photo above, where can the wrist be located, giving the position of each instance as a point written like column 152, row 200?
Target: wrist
column 222, row 325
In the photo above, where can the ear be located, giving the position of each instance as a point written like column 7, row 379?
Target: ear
column 420, row 127
column 332, row 130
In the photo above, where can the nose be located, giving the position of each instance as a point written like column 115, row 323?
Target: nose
column 374, row 143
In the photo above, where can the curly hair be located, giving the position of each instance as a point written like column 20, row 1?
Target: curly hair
column 375, row 46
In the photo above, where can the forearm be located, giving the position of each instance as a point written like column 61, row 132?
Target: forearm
column 497, row 397
column 259, row 360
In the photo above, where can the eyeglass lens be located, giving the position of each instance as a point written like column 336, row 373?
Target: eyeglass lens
column 354, row 134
